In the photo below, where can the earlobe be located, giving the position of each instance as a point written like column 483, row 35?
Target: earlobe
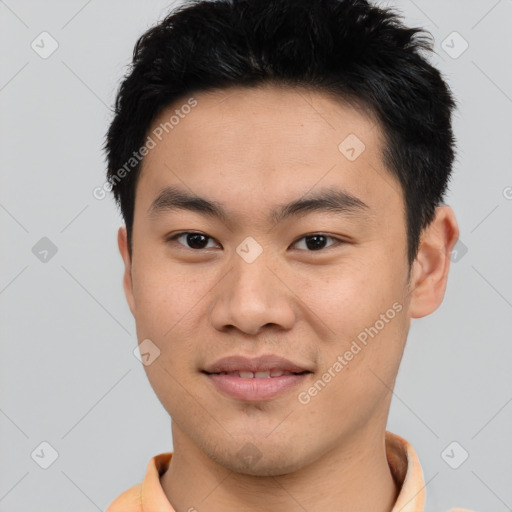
column 122, row 242
column 429, row 274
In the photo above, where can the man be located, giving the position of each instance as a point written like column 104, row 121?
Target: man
column 280, row 167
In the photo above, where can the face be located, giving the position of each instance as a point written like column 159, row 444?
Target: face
column 323, row 283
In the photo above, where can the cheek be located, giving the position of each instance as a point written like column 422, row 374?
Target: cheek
column 166, row 313
column 169, row 310
column 165, row 297
column 365, row 312
column 350, row 296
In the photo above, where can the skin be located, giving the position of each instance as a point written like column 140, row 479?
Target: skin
column 251, row 150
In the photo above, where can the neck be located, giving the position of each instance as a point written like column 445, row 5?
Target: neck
column 352, row 476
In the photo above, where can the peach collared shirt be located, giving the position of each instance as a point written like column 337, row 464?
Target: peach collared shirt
column 148, row 496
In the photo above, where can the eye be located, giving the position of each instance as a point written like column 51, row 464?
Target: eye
column 194, row 240
column 316, row 241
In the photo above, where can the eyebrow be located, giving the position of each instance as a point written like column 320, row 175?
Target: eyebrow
column 327, row 200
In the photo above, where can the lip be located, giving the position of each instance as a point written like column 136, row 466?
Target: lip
column 253, row 364
column 256, row 388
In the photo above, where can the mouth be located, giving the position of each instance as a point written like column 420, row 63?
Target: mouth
column 253, row 379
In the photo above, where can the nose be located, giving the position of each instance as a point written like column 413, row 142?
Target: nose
column 253, row 296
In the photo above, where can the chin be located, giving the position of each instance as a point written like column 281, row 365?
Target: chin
column 254, row 461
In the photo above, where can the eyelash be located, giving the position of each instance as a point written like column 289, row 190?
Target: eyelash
column 178, row 235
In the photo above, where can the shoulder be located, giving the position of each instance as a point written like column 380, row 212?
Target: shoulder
column 128, row 501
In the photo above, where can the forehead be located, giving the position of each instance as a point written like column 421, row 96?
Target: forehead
column 280, row 116
column 266, row 144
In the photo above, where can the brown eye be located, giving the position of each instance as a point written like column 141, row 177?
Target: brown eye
column 317, row 241
column 192, row 240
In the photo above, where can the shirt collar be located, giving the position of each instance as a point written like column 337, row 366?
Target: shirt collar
column 407, row 473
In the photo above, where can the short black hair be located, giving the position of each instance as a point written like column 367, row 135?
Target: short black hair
column 358, row 52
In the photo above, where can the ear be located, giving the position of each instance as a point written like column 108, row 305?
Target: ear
column 429, row 274
column 122, row 242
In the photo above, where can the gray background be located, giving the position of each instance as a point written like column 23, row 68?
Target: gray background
column 67, row 369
